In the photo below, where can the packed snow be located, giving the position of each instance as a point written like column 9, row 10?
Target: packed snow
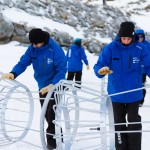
column 11, row 53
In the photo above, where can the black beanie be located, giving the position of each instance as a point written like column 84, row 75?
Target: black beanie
column 36, row 35
column 126, row 29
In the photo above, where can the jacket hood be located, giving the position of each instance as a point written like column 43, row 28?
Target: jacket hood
column 140, row 32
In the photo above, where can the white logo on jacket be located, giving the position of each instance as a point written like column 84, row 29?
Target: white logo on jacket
column 50, row 49
column 138, row 47
column 49, row 61
column 136, row 60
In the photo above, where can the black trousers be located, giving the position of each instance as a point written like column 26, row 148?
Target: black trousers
column 124, row 112
column 49, row 116
column 144, row 90
column 77, row 75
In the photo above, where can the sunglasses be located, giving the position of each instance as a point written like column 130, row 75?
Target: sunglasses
column 140, row 36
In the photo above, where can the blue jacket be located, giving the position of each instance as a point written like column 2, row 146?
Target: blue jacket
column 74, row 57
column 145, row 42
column 125, row 62
column 48, row 63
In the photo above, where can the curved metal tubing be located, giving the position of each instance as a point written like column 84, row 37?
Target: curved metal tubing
column 14, row 86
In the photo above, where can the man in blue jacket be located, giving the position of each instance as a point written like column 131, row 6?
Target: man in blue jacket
column 140, row 34
column 74, row 57
column 121, row 60
column 49, row 64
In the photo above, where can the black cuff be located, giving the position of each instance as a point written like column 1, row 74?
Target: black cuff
column 15, row 74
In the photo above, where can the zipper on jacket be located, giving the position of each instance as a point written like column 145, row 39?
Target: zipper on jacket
column 44, row 61
column 130, row 61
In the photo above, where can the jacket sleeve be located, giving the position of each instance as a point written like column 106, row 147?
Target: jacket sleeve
column 23, row 63
column 146, row 59
column 84, row 57
column 148, row 46
column 59, row 63
column 103, row 60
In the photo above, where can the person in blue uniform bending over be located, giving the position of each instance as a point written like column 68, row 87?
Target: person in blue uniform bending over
column 140, row 34
column 49, row 65
column 75, row 55
column 121, row 60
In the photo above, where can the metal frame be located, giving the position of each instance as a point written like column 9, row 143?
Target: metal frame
column 8, row 88
column 66, row 90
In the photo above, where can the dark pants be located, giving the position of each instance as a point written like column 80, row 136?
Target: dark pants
column 144, row 90
column 77, row 75
column 50, row 116
column 127, row 141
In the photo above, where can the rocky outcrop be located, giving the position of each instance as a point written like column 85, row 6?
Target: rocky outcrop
column 94, row 21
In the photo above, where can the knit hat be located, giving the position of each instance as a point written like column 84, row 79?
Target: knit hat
column 78, row 41
column 36, row 35
column 126, row 29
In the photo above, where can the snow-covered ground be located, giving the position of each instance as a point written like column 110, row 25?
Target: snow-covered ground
column 11, row 52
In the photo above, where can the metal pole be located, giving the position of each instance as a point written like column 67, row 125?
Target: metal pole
column 104, row 2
